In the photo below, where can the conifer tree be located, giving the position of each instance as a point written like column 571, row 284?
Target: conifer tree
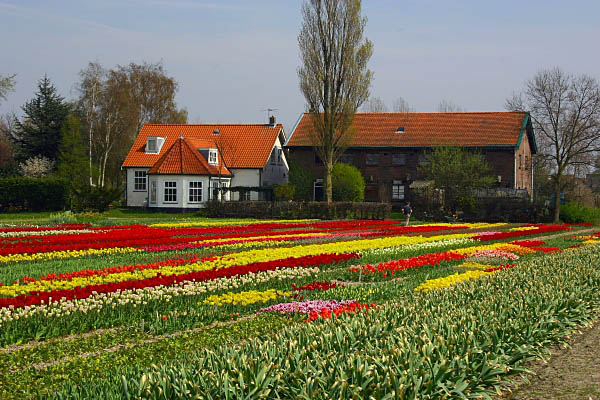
column 38, row 134
column 72, row 152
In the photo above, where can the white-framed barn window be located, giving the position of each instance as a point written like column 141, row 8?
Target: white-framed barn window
column 139, row 181
column 170, row 192
column 195, row 192
column 397, row 190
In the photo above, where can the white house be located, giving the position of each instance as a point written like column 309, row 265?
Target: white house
column 181, row 166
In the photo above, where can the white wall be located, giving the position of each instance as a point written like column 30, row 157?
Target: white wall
column 182, row 190
column 135, row 198
column 275, row 174
column 245, row 177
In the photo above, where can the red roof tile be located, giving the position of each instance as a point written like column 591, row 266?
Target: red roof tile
column 426, row 129
column 183, row 158
column 244, row 146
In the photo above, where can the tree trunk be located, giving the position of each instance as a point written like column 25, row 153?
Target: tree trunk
column 328, row 184
column 557, row 200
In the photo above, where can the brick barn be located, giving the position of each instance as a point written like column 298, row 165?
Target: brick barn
column 388, row 148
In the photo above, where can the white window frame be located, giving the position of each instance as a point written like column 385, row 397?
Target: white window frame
column 398, row 190
column 195, row 192
column 213, row 159
column 140, row 179
column 170, row 192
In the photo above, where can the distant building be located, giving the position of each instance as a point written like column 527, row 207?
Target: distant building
column 388, row 148
column 183, row 166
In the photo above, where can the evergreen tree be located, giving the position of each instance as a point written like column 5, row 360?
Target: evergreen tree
column 72, row 158
column 39, row 132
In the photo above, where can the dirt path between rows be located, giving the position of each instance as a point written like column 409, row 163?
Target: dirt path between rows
column 570, row 373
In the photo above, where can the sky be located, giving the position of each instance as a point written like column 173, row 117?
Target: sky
column 233, row 59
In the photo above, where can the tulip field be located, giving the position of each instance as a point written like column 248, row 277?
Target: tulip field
column 299, row 309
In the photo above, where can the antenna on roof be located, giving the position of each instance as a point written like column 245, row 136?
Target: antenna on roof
column 181, row 135
column 270, row 111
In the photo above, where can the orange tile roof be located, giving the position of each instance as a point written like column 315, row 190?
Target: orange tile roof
column 183, row 158
column 476, row 129
column 244, row 146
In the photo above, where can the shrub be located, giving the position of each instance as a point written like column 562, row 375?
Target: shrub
column 348, row 183
column 302, row 179
column 95, row 198
column 36, row 167
column 35, row 194
column 284, row 192
column 575, row 213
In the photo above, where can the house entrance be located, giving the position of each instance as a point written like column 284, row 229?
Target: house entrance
column 318, row 193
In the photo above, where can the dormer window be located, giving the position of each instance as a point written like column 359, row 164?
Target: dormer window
column 212, row 157
column 154, row 144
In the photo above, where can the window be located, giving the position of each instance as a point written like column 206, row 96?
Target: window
column 318, row 160
column 273, row 156
column 225, row 192
column 195, row 192
column 279, row 157
column 527, row 162
column 397, row 190
column 245, row 195
column 398, row 159
column 153, row 192
column 372, row 158
column 171, row 192
column 139, row 181
column 347, row 159
column 212, row 157
column 214, row 190
column 151, row 145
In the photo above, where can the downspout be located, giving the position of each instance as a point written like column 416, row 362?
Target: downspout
column 514, row 168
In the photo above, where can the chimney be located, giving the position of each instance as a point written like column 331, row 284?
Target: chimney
column 272, row 121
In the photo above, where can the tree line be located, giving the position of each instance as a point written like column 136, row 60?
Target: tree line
column 85, row 140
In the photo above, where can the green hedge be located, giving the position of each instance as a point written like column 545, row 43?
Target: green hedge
column 297, row 210
column 575, row 213
column 33, row 194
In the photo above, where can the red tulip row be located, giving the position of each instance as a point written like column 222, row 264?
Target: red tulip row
column 36, row 298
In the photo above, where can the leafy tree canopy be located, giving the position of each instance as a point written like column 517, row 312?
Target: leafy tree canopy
column 457, row 172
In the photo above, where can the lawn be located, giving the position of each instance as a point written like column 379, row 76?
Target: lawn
column 189, row 307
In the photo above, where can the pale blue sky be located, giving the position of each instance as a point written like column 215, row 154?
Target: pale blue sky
column 234, row 58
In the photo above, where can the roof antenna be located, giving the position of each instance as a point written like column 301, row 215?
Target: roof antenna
column 270, row 111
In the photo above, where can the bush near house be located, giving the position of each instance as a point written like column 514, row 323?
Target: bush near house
column 348, row 183
column 284, row 192
column 573, row 212
column 33, row 194
column 302, row 179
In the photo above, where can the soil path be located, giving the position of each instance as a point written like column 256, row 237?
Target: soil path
column 571, row 373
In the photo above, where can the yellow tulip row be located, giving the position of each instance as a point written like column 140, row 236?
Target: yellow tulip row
column 53, row 255
column 474, row 265
column 524, row 228
column 229, row 260
column 451, row 280
column 512, row 248
column 245, row 298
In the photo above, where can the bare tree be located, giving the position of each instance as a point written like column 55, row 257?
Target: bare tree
column 448, row 106
column 334, row 77
column 7, row 85
column 565, row 110
column 401, row 106
column 90, row 88
column 374, row 105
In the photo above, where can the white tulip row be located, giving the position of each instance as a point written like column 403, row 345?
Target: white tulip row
column 137, row 297
column 48, row 233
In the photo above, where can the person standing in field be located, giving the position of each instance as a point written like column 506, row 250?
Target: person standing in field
column 407, row 211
